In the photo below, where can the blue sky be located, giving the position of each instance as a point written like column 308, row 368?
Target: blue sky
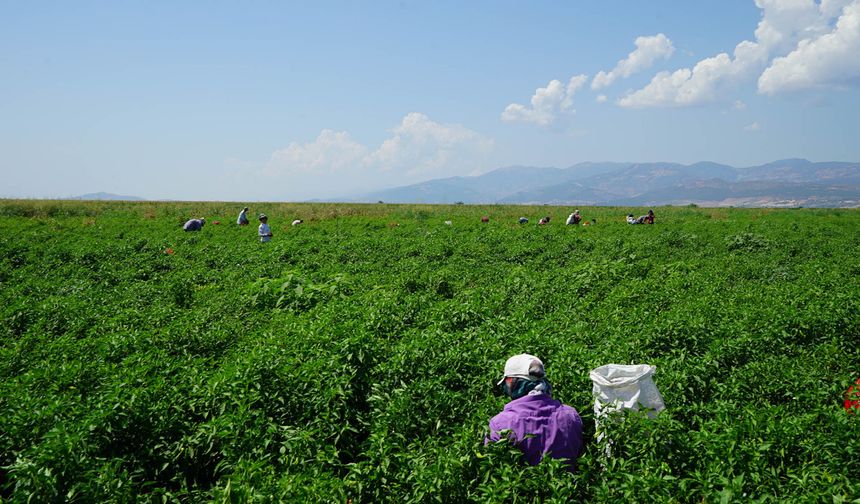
column 299, row 100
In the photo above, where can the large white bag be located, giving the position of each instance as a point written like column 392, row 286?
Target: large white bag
column 619, row 387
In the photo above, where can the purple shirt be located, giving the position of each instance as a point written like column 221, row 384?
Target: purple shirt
column 556, row 427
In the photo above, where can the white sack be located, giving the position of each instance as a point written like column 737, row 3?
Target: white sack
column 619, row 387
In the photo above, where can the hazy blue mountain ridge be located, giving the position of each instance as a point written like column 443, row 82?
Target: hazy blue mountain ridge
column 787, row 182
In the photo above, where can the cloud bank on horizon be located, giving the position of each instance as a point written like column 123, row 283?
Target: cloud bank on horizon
column 417, row 149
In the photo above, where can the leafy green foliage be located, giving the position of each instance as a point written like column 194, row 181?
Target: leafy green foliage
column 353, row 358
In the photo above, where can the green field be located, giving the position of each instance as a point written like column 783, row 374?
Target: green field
column 353, row 358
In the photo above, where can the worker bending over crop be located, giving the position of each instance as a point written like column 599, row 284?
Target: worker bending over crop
column 643, row 219
column 538, row 424
column 648, row 219
column 243, row 217
column 194, row 224
column 573, row 219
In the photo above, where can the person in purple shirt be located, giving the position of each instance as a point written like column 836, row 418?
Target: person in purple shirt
column 538, row 424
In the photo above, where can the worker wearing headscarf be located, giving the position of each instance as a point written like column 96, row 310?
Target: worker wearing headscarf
column 538, row 424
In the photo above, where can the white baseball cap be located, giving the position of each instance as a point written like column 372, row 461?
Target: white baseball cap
column 523, row 366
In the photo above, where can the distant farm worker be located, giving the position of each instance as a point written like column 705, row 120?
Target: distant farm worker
column 643, row 219
column 485, row 219
column 297, row 222
column 536, row 423
column 631, row 219
column 573, row 219
column 194, row 224
column 523, row 220
column 591, row 223
column 543, row 221
column 264, row 231
column 649, row 219
column 243, row 217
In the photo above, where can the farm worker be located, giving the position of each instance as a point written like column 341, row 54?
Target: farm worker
column 543, row 221
column 573, row 219
column 485, row 219
column 538, row 424
column 648, row 219
column 243, row 217
column 523, row 220
column 643, row 219
column 264, row 231
column 194, row 224
column 297, row 222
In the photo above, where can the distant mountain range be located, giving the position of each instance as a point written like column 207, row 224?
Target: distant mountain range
column 784, row 183
column 105, row 196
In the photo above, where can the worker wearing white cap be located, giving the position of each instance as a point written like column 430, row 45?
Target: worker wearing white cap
column 537, row 423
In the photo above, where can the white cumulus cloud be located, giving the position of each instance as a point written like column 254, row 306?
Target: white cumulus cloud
column 546, row 103
column 648, row 50
column 784, row 25
column 420, row 148
column 832, row 58
column 701, row 84
column 333, row 152
column 417, row 149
